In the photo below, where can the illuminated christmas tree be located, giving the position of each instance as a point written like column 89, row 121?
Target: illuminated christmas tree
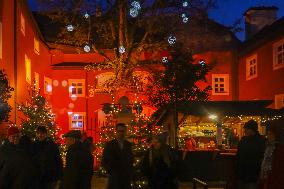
column 37, row 112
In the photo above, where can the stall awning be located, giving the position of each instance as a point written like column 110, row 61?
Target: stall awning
column 229, row 108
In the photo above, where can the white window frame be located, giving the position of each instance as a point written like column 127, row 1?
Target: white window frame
column 23, row 24
column 279, row 101
column 36, row 46
column 47, row 85
column 226, row 84
column 275, row 54
column 249, row 65
column 76, row 81
column 1, row 39
column 73, row 118
column 28, row 69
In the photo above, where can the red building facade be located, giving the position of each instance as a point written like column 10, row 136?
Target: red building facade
column 77, row 96
column 261, row 59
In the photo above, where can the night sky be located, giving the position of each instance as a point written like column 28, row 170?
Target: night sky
column 230, row 10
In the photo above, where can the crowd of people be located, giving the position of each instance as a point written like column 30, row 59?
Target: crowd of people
column 259, row 161
column 28, row 164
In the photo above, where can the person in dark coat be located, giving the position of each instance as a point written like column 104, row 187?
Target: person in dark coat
column 78, row 172
column 249, row 156
column 47, row 160
column 16, row 167
column 159, row 165
column 271, row 175
column 118, row 160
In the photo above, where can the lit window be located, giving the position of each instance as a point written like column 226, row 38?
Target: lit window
column 76, row 120
column 36, row 45
column 220, row 84
column 23, row 24
column 28, row 69
column 76, row 87
column 278, row 54
column 251, row 67
column 279, row 101
column 47, row 85
column 37, row 81
column 0, row 39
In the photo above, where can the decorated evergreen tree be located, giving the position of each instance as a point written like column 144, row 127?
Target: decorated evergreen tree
column 178, row 82
column 5, row 95
column 140, row 133
column 37, row 112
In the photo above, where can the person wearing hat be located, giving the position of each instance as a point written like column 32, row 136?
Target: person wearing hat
column 77, row 173
column 16, row 167
column 249, row 156
column 118, row 160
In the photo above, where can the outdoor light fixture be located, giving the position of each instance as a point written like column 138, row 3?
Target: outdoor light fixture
column 70, row 27
column 172, row 40
column 213, row 116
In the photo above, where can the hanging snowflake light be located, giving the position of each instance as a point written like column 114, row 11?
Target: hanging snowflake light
column 87, row 48
column 70, row 27
column 86, row 15
column 133, row 12
column 185, row 19
column 136, row 5
column 121, row 49
column 202, row 62
column 172, row 40
column 165, row 59
column 185, row 3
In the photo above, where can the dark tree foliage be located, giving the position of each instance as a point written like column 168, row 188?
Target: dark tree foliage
column 5, row 95
column 177, row 83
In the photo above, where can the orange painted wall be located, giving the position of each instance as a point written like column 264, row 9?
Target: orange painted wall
column 7, row 60
column 268, row 82
column 24, row 45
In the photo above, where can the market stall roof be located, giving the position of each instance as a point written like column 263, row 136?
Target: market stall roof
column 229, row 108
column 222, row 108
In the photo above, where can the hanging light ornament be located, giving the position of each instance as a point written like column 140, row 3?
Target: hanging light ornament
column 185, row 3
column 133, row 12
column 172, row 40
column 136, row 5
column 86, row 15
column 121, row 49
column 70, row 27
column 87, row 48
column 185, row 18
column 202, row 62
column 165, row 59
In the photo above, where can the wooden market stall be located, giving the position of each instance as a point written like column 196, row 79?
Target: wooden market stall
column 207, row 134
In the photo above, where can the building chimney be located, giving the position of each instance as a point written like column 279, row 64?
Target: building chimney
column 258, row 17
